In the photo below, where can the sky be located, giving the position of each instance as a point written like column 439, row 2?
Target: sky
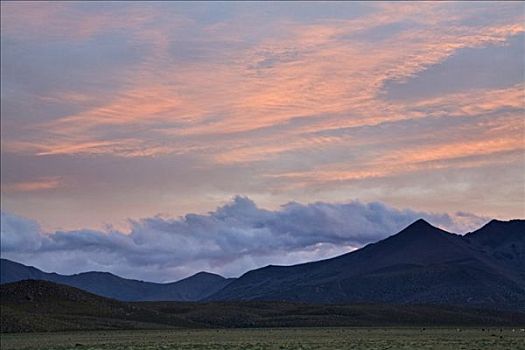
column 158, row 139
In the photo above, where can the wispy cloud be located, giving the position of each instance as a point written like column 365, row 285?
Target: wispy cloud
column 286, row 99
column 307, row 71
column 41, row 184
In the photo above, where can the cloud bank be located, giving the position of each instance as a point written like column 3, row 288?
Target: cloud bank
column 234, row 238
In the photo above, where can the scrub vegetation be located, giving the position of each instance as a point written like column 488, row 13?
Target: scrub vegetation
column 275, row 339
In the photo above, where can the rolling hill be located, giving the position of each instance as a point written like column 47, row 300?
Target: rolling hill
column 31, row 306
column 36, row 305
column 193, row 288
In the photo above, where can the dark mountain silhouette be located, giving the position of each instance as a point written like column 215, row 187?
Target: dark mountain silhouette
column 503, row 240
column 30, row 305
column 420, row 264
column 193, row 288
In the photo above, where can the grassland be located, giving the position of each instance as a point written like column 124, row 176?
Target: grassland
column 274, row 338
column 44, row 316
column 39, row 306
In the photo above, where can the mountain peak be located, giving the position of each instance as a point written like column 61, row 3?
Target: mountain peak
column 421, row 222
column 201, row 276
column 420, row 225
column 503, row 223
column 500, row 227
column 496, row 232
column 206, row 274
column 420, row 229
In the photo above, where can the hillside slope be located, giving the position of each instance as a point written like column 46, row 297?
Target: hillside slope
column 29, row 306
column 36, row 305
column 106, row 284
column 420, row 264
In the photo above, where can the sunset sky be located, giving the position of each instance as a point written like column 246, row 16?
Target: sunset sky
column 120, row 119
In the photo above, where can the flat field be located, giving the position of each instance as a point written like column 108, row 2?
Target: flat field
column 276, row 338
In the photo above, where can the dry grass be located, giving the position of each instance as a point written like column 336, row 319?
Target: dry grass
column 277, row 338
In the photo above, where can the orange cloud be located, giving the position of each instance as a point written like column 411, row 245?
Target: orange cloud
column 31, row 186
column 309, row 72
column 63, row 21
column 318, row 177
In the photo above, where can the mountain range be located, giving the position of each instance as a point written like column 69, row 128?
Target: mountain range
column 193, row 288
column 421, row 264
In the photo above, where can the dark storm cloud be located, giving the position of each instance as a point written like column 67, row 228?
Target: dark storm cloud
column 230, row 240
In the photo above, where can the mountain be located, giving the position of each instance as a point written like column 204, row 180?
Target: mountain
column 421, row 264
column 193, row 288
column 31, row 305
column 503, row 240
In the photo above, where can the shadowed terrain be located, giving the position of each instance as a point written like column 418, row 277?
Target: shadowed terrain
column 106, row 284
column 31, row 306
column 421, row 264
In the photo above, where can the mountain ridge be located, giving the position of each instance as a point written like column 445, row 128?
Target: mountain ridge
column 419, row 264
column 192, row 288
